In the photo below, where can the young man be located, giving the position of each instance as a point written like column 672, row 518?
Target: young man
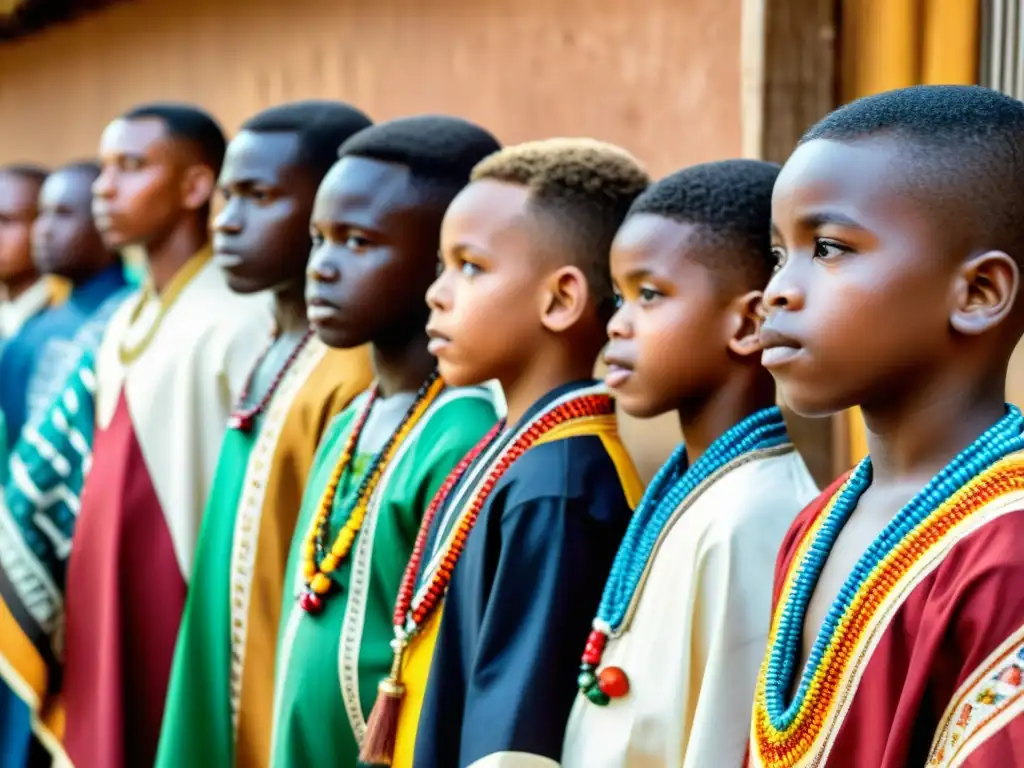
column 26, row 294
column 220, row 700
column 66, row 244
column 671, row 687
column 534, row 521
column 169, row 370
column 898, row 630
column 39, row 504
column 375, row 228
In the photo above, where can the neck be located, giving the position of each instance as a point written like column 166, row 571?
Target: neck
column 166, row 256
column 290, row 311
column 545, row 372
column 911, row 441
column 704, row 421
column 17, row 286
column 402, row 367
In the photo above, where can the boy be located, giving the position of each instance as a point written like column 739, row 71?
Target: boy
column 38, row 506
column 375, row 228
column 65, row 244
column 168, row 371
column 221, row 691
column 664, row 685
column 899, row 612
column 535, row 521
column 26, row 294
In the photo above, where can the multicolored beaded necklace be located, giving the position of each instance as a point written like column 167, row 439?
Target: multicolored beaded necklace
column 317, row 563
column 414, row 608
column 673, row 484
column 1001, row 439
column 243, row 418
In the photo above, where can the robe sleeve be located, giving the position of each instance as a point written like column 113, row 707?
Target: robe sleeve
column 521, row 682
column 977, row 599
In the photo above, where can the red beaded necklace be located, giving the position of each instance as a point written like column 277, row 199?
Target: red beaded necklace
column 243, row 418
column 411, row 616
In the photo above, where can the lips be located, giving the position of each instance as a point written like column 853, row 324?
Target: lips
column 226, row 260
column 619, row 370
column 438, row 341
column 778, row 349
column 320, row 311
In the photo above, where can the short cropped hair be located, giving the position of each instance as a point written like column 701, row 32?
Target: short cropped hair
column 729, row 202
column 584, row 188
column 321, row 127
column 187, row 123
column 85, row 167
column 964, row 150
column 440, row 151
column 35, row 173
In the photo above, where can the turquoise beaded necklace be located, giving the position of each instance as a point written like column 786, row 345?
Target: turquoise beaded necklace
column 674, row 482
column 1003, row 438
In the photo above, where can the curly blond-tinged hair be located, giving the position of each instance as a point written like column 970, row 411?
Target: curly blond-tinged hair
column 583, row 187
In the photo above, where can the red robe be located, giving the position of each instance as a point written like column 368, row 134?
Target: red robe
column 928, row 669
column 159, row 422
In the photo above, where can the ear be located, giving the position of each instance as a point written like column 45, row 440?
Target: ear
column 197, row 186
column 563, row 299
column 985, row 293
column 745, row 317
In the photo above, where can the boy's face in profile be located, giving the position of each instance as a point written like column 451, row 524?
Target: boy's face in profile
column 860, row 299
column 138, row 197
column 485, row 304
column 369, row 266
column 261, row 235
column 669, row 338
column 63, row 236
column 17, row 212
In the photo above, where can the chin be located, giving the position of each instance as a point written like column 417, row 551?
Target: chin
column 338, row 339
column 242, row 286
column 810, row 405
column 638, row 407
column 459, row 375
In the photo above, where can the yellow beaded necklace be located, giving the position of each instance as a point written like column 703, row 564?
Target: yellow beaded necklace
column 180, row 281
column 317, row 577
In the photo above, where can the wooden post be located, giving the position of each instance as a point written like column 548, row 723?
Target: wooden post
column 789, row 82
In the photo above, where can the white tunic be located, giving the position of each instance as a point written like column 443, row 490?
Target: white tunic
column 694, row 643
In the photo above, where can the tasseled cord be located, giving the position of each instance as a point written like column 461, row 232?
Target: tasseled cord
column 382, row 727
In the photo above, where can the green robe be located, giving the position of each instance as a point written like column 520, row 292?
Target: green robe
column 328, row 666
column 219, row 699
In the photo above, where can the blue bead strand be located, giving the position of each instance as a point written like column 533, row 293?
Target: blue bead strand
column 670, row 487
column 1003, row 438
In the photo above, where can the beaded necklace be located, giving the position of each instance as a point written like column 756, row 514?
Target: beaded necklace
column 243, row 418
column 673, row 485
column 414, row 608
column 317, row 563
column 1001, row 439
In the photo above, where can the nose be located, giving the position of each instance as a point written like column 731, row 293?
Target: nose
column 439, row 293
column 229, row 220
column 783, row 291
column 104, row 187
column 620, row 326
column 321, row 269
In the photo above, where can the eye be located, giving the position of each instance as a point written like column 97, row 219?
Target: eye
column 778, row 258
column 469, row 269
column 316, row 239
column 825, row 249
column 131, row 163
column 648, row 295
column 356, row 242
column 617, row 300
column 261, row 195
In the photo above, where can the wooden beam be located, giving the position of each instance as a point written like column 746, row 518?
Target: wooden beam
column 788, row 82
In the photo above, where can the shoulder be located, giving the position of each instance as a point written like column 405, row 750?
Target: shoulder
column 458, row 412
column 574, row 469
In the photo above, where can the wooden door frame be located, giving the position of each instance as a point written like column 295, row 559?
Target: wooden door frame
column 788, row 81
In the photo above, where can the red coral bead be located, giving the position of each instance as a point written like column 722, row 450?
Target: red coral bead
column 311, row 603
column 613, row 682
